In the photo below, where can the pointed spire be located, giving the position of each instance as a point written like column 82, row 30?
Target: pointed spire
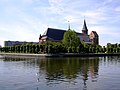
column 84, row 26
column 84, row 29
column 68, row 25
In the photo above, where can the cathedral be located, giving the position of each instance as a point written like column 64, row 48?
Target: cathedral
column 52, row 34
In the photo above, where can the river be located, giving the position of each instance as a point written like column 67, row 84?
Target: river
column 84, row 73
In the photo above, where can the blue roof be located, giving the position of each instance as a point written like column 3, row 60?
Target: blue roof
column 54, row 34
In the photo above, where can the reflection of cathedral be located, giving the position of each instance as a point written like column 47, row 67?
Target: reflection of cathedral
column 57, row 35
column 90, row 70
column 70, row 69
column 54, row 71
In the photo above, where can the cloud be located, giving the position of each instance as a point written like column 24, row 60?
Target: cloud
column 70, row 19
column 106, row 34
column 94, row 17
column 23, row 27
column 105, row 30
column 28, row 1
column 32, row 17
column 55, row 6
column 55, row 2
column 107, row 2
column 117, row 9
column 20, row 32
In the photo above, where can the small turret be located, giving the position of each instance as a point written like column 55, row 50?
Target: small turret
column 68, row 25
column 40, row 36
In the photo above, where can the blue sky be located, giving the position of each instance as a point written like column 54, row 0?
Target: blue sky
column 25, row 20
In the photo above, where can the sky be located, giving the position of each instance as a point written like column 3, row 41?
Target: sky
column 25, row 20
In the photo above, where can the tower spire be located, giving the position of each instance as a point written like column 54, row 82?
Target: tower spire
column 84, row 29
column 68, row 25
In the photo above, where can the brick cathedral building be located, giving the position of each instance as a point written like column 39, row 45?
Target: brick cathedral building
column 52, row 34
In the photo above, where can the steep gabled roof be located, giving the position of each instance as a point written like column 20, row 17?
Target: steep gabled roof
column 95, row 33
column 79, row 33
column 54, row 34
column 84, row 37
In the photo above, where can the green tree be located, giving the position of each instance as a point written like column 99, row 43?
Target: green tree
column 0, row 49
column 27, row 48
column 18, row 48
column 33, row 48
column 104, row 49
column 118, row 49
column 21, row 48
column 37, row 49
column 24, row 48
column 30, row 48
column 13, row 48
column 71, row 39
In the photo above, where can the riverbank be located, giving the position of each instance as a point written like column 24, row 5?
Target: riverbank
column 61, row 55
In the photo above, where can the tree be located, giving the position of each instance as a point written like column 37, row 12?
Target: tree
column 24, row 48
column 104, row 49
column 27, row 48
column 13, row 49
column 21, row 48
column 18, row 48
column 37, row 49
column 71, row 39
column 0, row 49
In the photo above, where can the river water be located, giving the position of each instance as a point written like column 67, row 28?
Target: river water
column 87, row 73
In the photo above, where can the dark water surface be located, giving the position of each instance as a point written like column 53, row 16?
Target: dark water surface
column 91, row 73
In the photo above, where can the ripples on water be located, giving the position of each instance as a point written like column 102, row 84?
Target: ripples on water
column 91, row 73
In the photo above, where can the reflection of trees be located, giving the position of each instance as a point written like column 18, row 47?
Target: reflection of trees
column 25, row 61
column 57, row 70
column 108, row 60
column 13, row 59
column 70, row 68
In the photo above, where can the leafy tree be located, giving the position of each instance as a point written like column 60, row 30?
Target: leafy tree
column 30, row 48
column 69, row 50
column 103, row 49
column 27, row 48
column 0, row 49
column 118, row 49
column 21, row 48
column 18, row 48
column 37, row 49
column 71, row 39
column 24, row 48
column 114, row 50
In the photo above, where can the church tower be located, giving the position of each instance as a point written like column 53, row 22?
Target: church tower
column 84, row 29
column 94, row 37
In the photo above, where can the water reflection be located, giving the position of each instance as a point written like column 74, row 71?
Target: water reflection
column 64, row 71
column 57, row 70
column 70, row 70
column 110, row 60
